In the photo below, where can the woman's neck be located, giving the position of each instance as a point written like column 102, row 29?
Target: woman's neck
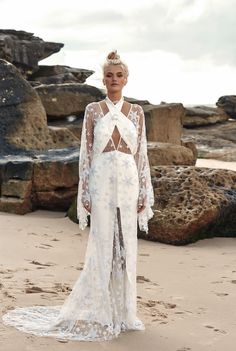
column 114, row 97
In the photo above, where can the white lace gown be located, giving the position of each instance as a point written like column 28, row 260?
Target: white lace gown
column 114, row 179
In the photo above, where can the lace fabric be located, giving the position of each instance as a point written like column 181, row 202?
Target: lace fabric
column 102, row 302
column 89, row 149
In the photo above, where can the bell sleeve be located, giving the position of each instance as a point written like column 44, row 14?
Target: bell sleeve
column 146, row 194
column 85, row 158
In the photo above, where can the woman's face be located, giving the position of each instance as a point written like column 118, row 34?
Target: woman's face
column 114, row 78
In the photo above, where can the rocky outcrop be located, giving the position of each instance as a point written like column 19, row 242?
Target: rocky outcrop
column 62, row 100
column 59, row 74
column 191, row 204
column 228, row 104
column 16, row 186
column 161, row 154
column 46, row 180
column 203, row 115
column 23, row 119
column 136, row 101
column 215, row 141
column 164, row 122
column 25, row 50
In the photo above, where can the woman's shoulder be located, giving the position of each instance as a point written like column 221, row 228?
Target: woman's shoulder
column 137, row 108
column 92, row 106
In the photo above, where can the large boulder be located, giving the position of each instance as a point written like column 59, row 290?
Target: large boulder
column 203, row 115
column 23, row 119
column 25, row 50
column 16, row 185
column 59, row 74
column 47, row 180
column 55, row 184
column 228, row 104
column 162, row 154
column 164, row 122
column 191, row 204
column 62, row 100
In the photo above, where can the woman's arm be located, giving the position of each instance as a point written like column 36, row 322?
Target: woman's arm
column 146, row 195
column 85, row 159
column 86, row 155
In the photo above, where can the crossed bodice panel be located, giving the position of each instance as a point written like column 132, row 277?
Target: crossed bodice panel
column 116, row 142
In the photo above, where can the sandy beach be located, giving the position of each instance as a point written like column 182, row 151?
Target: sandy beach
column 186, row 295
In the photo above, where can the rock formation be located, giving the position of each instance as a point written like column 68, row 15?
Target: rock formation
column 171, row 154
column 59, row 74
column 62, row 100
column 45, row 180
column 23, row 119
column 164, row 122
column 25, row 50
column 203, row 115
column 192, row 203
column 217, row 141
column 228, row 104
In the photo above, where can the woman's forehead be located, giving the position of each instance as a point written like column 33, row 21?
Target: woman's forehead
column 114, row 69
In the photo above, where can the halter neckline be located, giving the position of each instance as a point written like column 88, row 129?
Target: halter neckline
column 118, row 105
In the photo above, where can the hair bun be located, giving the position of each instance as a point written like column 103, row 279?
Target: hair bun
column 113, row 55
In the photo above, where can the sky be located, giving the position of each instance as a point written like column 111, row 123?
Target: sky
column 176, row 50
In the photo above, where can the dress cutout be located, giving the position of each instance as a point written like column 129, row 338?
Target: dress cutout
column 112, row 145
column 103, row 300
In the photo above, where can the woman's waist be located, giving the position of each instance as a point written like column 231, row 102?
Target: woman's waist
column 113, row 156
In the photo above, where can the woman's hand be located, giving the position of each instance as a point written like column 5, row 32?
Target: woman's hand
column 141, row 208
column 141, row 205
column 87, row 205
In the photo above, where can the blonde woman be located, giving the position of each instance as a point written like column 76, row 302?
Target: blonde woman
column 115, row 190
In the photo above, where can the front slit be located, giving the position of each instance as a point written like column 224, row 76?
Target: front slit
column 121, row 240
column 118, row 243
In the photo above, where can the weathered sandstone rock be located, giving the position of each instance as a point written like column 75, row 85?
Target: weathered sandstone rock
column 62, row 100
column 203, row 115
column 164, row 122
column 59, row 74
column 23, row 119
column 16, row 186
column 228, row 104
column 25, row 50
column 191, row 204
column 215, row 141
column 46, row 180
column 161, row 154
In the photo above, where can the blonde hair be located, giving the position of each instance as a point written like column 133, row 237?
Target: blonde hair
column 114, row 59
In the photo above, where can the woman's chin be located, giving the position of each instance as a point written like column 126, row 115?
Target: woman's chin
column 114, row 89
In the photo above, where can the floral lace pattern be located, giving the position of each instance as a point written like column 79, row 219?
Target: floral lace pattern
column 102, row 302
column 133, row 136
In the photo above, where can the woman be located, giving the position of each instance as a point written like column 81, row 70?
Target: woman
column 115, row 189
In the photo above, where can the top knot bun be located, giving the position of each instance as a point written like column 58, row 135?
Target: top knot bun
column 113, row 55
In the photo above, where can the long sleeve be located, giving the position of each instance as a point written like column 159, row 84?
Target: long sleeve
column 146, row 194
column 85, row 158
